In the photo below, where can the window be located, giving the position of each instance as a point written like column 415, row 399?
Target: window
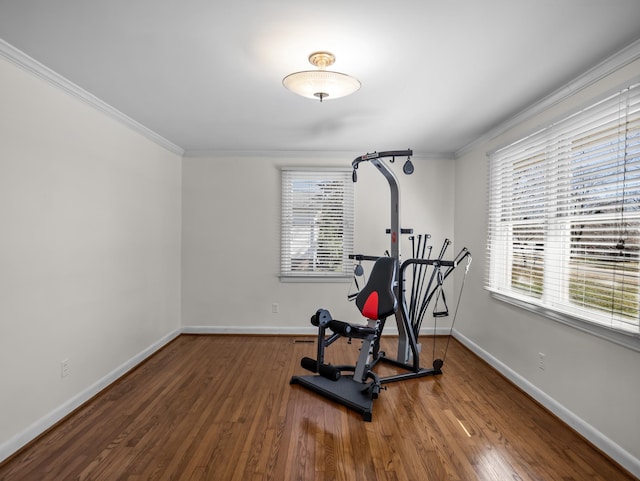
column 564, row 216
column 317, row 223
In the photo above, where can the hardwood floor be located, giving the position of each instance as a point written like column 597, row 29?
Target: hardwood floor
column 221, row 408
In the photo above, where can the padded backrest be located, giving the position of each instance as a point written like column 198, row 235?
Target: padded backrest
column 377, row 299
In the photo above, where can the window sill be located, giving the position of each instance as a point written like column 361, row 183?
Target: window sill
column 628, row 340
column 312, row 279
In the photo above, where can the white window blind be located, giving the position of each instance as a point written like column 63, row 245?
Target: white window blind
column 317, row 223
column 564, row 215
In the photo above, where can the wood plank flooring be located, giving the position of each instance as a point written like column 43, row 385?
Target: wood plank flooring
column 221, row 408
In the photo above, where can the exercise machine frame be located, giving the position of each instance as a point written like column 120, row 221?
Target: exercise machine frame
column 358, row 390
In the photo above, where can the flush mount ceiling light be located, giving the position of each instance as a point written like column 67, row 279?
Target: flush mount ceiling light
column 321, row 84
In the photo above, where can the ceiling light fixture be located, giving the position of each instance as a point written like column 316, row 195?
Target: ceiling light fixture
column 321, row 84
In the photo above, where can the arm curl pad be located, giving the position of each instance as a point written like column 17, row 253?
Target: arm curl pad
column 340, row 327
column 351, row 330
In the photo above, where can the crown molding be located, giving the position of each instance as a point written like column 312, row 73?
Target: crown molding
column 34, row 67
column 620, row 59
column 303, row 154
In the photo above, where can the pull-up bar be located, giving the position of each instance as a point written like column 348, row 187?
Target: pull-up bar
column 407, row 168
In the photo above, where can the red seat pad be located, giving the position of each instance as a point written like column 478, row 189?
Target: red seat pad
column 370, row 308
column 377, row 299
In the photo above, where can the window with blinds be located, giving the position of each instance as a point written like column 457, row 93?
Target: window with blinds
column 317, row 223
column 564, row 216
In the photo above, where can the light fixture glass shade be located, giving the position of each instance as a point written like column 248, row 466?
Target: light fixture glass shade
column 321, row 84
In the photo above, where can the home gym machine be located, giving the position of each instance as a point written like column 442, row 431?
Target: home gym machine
column 384, row 295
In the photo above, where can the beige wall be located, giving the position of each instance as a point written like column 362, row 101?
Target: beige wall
column 89, row 250
column 231, row 236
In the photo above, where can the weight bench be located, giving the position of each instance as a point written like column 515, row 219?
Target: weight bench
column 354, row 386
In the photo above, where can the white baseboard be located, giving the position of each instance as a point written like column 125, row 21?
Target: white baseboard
column 602, row 442
column 12, row 445
column 250, row 330
column 289, row 331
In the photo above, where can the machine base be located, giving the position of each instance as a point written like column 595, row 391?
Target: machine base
column 345, row 391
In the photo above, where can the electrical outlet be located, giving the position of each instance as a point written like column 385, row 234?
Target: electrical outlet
column 275, row 308
column 541, row 361
column 64, row 368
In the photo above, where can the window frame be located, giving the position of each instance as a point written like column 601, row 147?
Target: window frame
column 345, row 224
column 628, row 338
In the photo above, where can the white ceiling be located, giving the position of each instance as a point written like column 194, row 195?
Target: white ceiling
column 206, row 74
